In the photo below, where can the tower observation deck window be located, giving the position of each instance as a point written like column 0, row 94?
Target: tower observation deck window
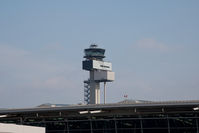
column 94, row 52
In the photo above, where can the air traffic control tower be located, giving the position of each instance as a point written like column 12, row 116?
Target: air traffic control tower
column 100, row 71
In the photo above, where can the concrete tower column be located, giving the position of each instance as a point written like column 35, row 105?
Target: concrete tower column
column 94, row 89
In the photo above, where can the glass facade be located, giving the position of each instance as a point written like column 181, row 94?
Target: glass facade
column 94, row 52
column 159, row 123
column 111, row 119
column 97, row 53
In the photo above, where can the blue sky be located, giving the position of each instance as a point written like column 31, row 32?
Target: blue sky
column 153, row 45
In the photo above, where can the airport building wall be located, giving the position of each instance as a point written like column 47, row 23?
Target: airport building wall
column 12, row 128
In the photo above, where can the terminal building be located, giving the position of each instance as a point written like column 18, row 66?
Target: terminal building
column 124, row 117
column 128, row 116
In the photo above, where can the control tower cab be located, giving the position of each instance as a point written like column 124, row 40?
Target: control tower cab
column 94, row 53
column 100, row 71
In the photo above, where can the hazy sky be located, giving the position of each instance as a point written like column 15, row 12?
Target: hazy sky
column 152, row 44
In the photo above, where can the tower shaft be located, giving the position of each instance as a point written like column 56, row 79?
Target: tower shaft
column 94, row 89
